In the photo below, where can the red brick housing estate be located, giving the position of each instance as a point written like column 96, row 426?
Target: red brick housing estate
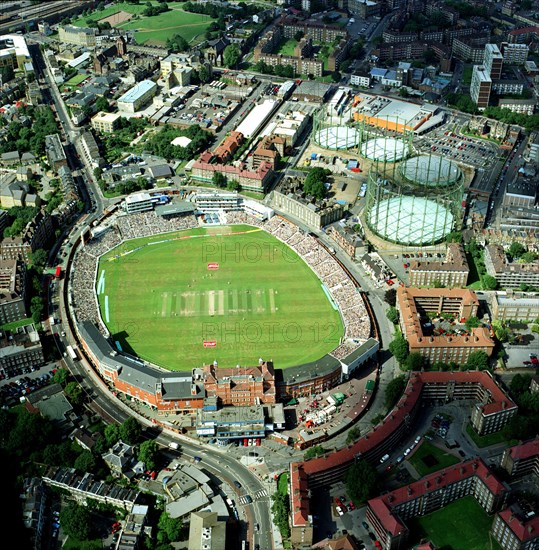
column 491, row 412
column 388, row 513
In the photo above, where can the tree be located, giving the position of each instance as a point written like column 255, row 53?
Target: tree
column 76, row 521
column 130, row 431
column 102, row 104
column 353, row 435
column 39, row 259
column 299, row 35
column 313, row 452
column 112, row 434
column 361, row 481
column 98, row 172
column 477, row 360
column 399, row 348
column 85, row 462
column 314, row 183
column 170, row 529
column 393, row 315
column 502, row 334
column 520, row 427
column 36, row 308
column 74, row 393
column 7, row 74
column 453, row 237
column 520, row 384
column 204, row 73
column 336, row 76
column 472, row 322
column 60, row 376
column 233, row 185
column 390, row 297
column 177, row 43
column 516, row 250
column 147, row 453
column 489, row 282
column 281, row 509
column 394, row 391
column 529, row 257
column 231, row 56
column 219, row 180
column 415, row 361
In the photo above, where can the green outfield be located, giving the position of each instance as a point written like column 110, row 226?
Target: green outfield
column 228, row 293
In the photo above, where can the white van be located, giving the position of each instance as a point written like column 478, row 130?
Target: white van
column 384, row 458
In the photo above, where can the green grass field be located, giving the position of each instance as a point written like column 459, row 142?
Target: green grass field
column 157, row 29
column 262, row 301
column 287, row 47
column 442, row 459
column 463, row 525
column 75, row 81
column 119, row 6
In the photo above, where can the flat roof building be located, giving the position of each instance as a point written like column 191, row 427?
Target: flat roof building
column 105, row 122
column 206, row 530
column 506, row 308
column 138, row 96
column 480, row 87
column 138, row 202
column 493, row 61
column 509, row 274
column 451, row 272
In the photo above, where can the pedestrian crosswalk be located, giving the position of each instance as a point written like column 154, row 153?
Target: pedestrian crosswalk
column 247, row 499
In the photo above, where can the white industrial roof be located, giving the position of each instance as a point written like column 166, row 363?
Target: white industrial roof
column 136, row 91
column 256, row 118
column 137, row 197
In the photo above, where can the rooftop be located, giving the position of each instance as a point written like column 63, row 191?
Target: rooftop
column 383, row 505
column 137, row 91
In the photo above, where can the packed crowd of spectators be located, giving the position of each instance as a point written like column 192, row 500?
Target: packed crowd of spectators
column 146, row 224
column 83, row 297
column 355, row 317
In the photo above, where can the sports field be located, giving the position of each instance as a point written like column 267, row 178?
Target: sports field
column 462, row 525
column 229, row 293
column 153, row 30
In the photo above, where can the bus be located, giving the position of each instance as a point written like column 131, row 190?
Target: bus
column 72, row 353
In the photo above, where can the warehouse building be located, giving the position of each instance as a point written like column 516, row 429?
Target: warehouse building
column 137, row 97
